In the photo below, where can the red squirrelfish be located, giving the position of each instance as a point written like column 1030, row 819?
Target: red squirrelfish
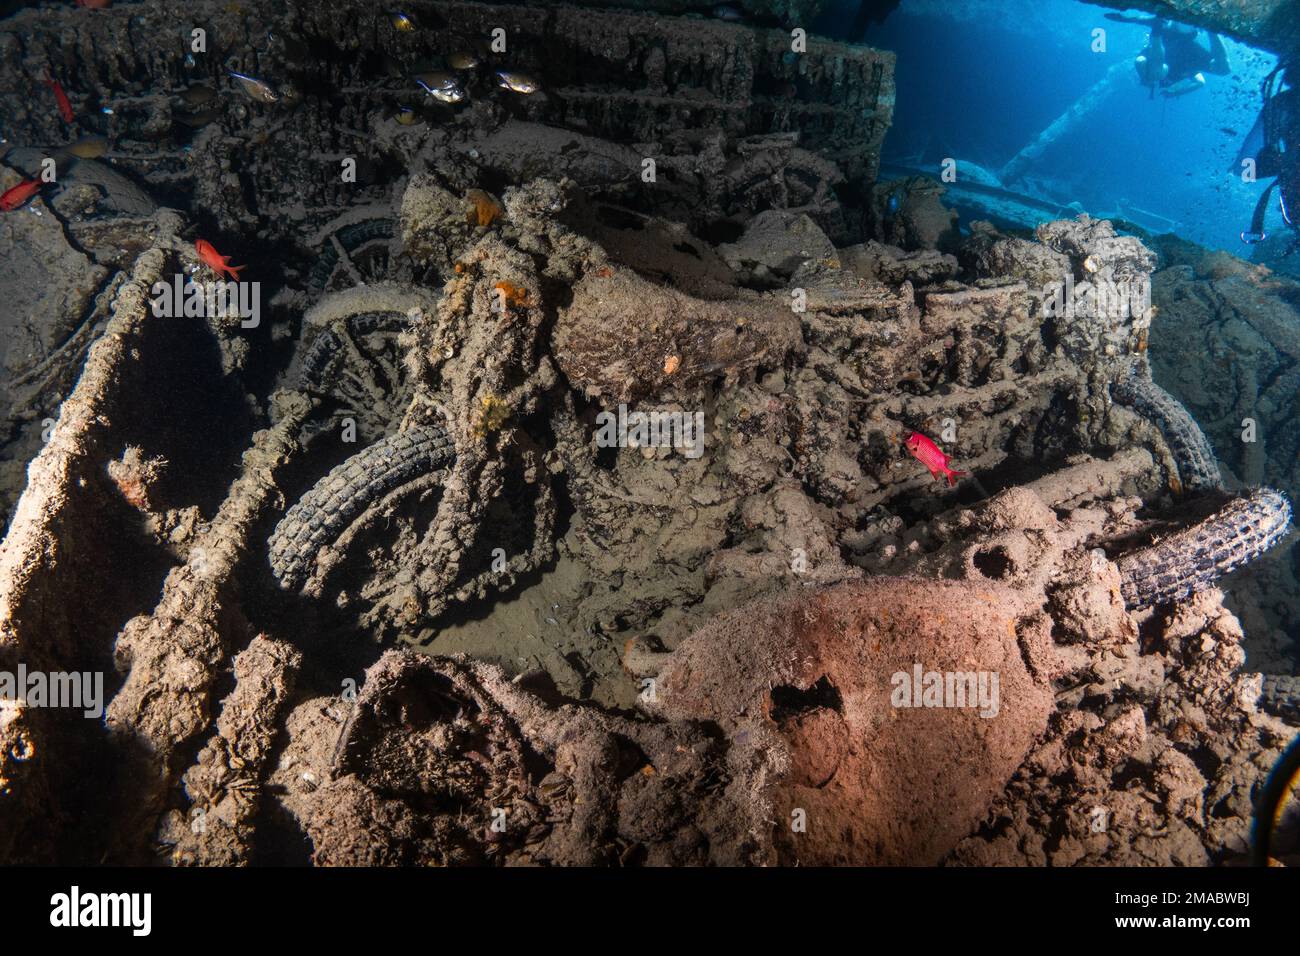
column 928, row 454
column 65, row 107
column 15, row 197
column 93, row 4
column 216, row 261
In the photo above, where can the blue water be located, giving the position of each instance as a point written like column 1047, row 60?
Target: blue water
column 979, row 79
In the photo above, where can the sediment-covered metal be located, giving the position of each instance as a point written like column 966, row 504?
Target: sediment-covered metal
column 1196, row 558
column 224, row 784
column 57, row 547
column 1280, row 694
column 505, row 280
column 1197, row 468
column 353, row 486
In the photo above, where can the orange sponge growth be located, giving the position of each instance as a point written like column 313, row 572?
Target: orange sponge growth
column 483, row 208
column 513, row 294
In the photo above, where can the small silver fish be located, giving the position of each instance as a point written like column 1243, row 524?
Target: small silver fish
column 88, row 147
column 517, row 82
column 437, row 80
column 255, row 89
column 463, row 60
column 197, row 120
column 454, row 94
column 197, row 95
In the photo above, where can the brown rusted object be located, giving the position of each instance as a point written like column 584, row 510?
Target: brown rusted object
column 814, row 672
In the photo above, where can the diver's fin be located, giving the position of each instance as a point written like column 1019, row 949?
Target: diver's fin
column 1257, row 220
column 1129, row 18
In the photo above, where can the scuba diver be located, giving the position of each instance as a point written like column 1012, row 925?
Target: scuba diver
column 1172, row 60
column 1274, row 144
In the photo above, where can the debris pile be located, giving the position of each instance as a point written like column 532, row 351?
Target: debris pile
column 616, row 452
